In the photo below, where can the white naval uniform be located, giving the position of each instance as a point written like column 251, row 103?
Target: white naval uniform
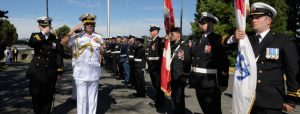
column 87, row 71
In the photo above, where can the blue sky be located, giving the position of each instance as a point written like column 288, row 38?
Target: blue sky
column 127, row 16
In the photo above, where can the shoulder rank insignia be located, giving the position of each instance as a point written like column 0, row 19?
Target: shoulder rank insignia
column 96, row 40
column 37, row 37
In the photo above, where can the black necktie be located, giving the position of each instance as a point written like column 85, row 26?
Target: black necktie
column 257, row 37
column 256, row 42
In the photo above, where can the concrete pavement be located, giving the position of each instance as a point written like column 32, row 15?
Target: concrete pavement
column 114, row 97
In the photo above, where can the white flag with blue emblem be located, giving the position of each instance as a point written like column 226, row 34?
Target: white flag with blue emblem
column 244, row 85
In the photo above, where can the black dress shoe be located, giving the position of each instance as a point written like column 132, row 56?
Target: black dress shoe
column 138, row 95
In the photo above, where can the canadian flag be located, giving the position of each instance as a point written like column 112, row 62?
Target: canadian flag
column 166, row 58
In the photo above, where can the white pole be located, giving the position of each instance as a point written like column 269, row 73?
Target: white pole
column 108, row 18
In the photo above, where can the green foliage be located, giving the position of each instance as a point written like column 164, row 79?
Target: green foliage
column 62, row 31
column 8, row 35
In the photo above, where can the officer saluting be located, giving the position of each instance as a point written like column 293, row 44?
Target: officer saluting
column 155, row 51
column 86, row 71
column 276, row 55
column 45, row 67
column 209, row 66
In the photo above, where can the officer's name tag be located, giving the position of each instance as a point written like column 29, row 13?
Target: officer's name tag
column 207, row 49
column 272, row 53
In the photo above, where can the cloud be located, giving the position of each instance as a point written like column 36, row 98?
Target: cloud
column 139, row 27
column 25, row 26
column 84, row 3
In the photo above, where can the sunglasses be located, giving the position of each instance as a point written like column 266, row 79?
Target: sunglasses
column 44, row 26
column 89, row 24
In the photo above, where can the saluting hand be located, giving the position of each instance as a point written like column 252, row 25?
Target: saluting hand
column 239, row 34
column 77, row 27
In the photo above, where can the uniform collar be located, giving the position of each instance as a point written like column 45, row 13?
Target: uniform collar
column 154, row 37
column 263, row 34
column 46, row 35
column 206, row 34
column 86, row 35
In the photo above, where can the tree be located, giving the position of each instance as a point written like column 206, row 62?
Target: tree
column 293, row 22
column 8, row 35
column 62, row 31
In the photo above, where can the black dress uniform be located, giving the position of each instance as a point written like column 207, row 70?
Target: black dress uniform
column 139, row 65
column 277, row 56
column 209, row 71
column 154, row 65
column 180, row 69
column 43, row 70
column 131, row 52
column 115, row 53
column 277, row 64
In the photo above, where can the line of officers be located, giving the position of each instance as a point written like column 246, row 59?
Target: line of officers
column 126, row 57
column 204, row 63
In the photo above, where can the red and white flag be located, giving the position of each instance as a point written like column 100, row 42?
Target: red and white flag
column 166, row 60
column 244, row 85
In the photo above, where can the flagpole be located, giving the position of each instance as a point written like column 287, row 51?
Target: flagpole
column 47, row 9
column 108, row 18
column 181, row 13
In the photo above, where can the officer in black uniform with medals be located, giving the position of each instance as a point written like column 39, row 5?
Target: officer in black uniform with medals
column 46, row 66
column 154, row 57
column 180, row 69
column 277, row 63
column 209, row 66
column 139, row 66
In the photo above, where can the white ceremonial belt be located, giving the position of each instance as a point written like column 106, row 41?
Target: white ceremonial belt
column 153, row 58
column 123, row 55
column 204, row 70
column 138, row 60
column 131, row 56
column 108, row 51
column 116, row 52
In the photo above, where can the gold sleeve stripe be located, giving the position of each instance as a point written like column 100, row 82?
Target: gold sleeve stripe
column 294, row 94
column 60, row 69
column 223, row 40
column 37, row 37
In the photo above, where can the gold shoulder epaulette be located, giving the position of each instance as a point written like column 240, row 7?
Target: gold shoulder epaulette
column 37, row 37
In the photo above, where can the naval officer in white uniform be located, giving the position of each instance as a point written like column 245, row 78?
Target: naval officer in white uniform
column 87, row 59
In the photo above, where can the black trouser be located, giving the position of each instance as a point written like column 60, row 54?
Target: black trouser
column 261, row 110
column 42, row 96
column 132, row 78
column 155, row 79
column 115, row 66
column 15, row 58
column 121, row 69
column 140, row 81
column 178, row 102
column 209, row 100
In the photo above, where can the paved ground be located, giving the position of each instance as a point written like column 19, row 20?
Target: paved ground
column 114, row 98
